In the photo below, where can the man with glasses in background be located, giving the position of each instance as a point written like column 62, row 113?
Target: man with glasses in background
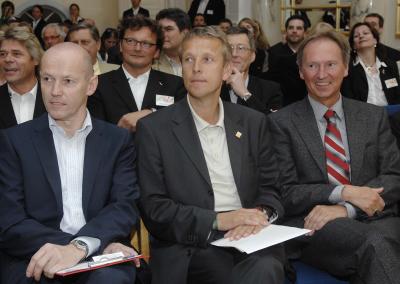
column 242, row 88
column 135, row 90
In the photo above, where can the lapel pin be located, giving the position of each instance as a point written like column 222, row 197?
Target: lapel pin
column 383, row 71
column 159, row 82
column 238, row 134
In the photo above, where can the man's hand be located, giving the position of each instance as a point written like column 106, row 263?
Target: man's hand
column 51, row 258
column 129, row 120
column 366, row 198
column 237, row 82
column 127, row 251
column 242, row 231
column 230, row 220
column 322, row 214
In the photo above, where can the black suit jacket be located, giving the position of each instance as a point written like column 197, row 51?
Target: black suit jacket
column 113, row 97
column 7, row 116
column 177, row 200
column 215, row 11
column 31, row 206
column 142, row 11
column 390, row 53
column 266, row 95
column 38, row 31
column 355, row 85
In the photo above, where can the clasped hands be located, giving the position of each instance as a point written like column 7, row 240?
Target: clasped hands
column 51, row 258
column 366, row 198
column 241, row 223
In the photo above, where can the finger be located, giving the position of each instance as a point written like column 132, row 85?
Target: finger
column 378, row 190
column 257, row 229
column 39, row 267
column 137, row 262
column 35, row 258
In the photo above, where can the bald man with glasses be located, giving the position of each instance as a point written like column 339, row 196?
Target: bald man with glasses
column 135, row 90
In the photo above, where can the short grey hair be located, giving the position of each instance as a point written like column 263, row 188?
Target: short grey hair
column 59, row 30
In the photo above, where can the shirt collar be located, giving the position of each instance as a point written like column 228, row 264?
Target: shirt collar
column 201, row 124
column 379, row 63
column 320, row 109
column 32, row 92
column 86, row 126
column 130, row 78
column 96, row 68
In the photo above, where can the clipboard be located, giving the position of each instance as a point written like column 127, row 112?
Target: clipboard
column 97, row 263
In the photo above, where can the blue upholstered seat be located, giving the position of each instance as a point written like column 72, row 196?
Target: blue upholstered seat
column 309, row 275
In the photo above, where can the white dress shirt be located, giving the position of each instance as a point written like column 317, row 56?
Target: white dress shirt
column 215, row 149
column 138, row 86
column 70, row 157
column 202, row 6
column 23, row 104
column 376, row 95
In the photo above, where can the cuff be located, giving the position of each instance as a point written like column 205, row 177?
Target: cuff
column 351, row 211
column 92, row 243
column 336, row 195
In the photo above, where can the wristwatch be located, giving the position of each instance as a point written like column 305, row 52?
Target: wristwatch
column 79, row 244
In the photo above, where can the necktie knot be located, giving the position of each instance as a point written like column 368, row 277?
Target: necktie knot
column 329, row 114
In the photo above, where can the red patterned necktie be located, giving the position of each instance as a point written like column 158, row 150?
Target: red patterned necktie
column 337, row 165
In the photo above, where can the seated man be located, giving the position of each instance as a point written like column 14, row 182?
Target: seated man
column 340, row 171
column 207, row 168
column 243, row 88
column 66, row 192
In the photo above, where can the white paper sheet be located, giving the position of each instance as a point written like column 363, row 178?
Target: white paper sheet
column 269, row 236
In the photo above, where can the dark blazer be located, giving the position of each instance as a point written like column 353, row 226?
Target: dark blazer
column 215, row 11
column 38, row 31
column 375, row 159
column 266, row 95
column 31, row 198
column 142, row 11
column 177, row 201
column 7, row 116
column 355, row 85
column 391, row 53
column 113, row 97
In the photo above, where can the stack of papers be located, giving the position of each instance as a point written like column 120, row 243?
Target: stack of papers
column 269, row 236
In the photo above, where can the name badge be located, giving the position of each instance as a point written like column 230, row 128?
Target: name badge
column 164, row 100
column 390, row 83
column 210, row 12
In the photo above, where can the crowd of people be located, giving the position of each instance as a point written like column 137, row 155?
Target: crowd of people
column 197, row 126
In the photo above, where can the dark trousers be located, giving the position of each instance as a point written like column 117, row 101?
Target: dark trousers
column 364, row 252
column 13, row 271
column 215, row 265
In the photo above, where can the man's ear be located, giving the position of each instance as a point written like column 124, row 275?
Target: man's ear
column 92, row 86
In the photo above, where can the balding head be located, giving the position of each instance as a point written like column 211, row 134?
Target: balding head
column 67, row 79
column 67, row 51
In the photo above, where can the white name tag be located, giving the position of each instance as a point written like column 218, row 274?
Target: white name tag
column 390, row 83
column 164, row 100
column 210, row 12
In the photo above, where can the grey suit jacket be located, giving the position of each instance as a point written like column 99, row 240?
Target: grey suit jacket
column 374, row 156
column 177, row 200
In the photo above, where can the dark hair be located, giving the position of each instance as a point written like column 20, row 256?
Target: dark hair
column 181, row 19
column 379, row 51
column 376, row 15
column 39, row 7
column 136, row 23
column 226, row 20
column 94, row 32
column 76, row 5
column 108, row 33
column 236, row 30
column 6, row 4
column 295, row 17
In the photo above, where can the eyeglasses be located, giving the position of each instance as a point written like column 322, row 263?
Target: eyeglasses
column 133, row 42
column 240, row 48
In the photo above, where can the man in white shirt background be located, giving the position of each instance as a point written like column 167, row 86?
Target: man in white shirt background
column 20, row 98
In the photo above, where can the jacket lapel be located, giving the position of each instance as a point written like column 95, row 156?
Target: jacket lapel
column 188, row 138
column 233, row 126
column 306, row 126
column 7, row 114
column 44, row 144
column 39, row 105
column 356, row 126
column 154, row 87
column 122, row 88
column 94, row 151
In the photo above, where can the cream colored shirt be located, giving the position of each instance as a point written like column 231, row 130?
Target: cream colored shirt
column 215, row 149
column 138, row 86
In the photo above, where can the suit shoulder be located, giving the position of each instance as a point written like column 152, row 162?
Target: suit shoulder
column 362, row 106
column 286, row 112
column 243, row 111
column 166, row 76
column 113, row 130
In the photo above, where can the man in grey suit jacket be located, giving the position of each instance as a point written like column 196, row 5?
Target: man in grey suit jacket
column 204, row 167
column 354, row 223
